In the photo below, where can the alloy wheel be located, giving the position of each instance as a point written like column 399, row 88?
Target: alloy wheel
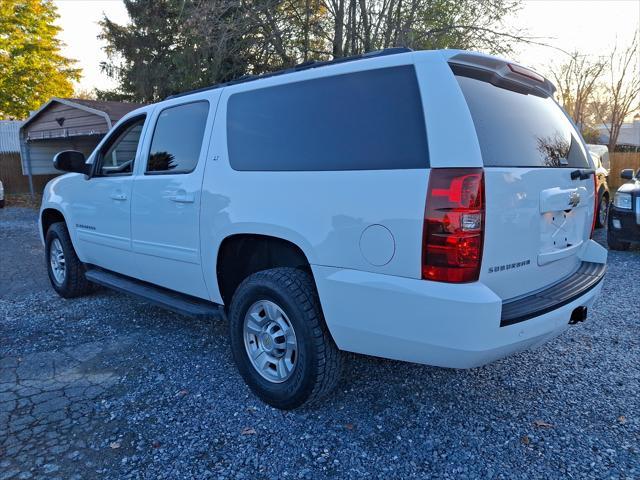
column 270, row 341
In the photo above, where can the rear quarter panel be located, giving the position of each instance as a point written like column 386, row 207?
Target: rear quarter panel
column 324, row 212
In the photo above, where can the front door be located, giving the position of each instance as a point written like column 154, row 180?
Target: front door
column 166, row 198
column 102, row 215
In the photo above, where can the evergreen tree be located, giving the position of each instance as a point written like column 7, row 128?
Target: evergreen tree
column 172, row 46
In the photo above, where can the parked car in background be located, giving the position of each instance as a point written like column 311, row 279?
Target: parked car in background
column 624, row 213
column 600, row 156
column 433, row 207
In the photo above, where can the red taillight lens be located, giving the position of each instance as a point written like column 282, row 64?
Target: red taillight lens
column 595, row 204
column 453, row 225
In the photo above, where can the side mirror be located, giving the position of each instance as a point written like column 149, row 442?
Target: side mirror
column 71, row 161
column 627, row 174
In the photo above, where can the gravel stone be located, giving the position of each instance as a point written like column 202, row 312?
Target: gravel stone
column 95, row 387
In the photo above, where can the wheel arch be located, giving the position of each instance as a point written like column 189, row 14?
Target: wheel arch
column 242, row 254
column 48, row 217
column 603, row 190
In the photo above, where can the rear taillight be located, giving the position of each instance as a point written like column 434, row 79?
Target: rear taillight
column 453, row 225
column 595, row 204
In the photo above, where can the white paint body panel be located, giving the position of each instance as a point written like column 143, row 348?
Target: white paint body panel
column 525, row 221
column 165, row 216
column 368, row 280
column 455, row 326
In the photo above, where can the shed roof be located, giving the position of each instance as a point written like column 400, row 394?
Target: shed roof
column 115, row 110
column 9, row 138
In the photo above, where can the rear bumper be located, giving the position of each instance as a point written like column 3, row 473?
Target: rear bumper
column 432, row 323
column 588, row 276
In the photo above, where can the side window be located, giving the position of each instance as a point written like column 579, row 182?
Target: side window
column 119, row 154
column 177, row 139
column 369, row 120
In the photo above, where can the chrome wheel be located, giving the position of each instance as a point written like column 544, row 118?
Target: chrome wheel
column 270, row 341
column 602, row 211
column 56, row 258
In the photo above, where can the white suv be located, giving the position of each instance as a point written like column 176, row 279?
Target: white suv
column 433, row 207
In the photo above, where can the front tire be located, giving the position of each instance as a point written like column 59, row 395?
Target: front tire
column 279, row 340
column 66, row 271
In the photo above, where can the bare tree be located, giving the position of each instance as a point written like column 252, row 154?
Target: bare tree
column 360, row 26
column 175, row 45
column 576, row 81
column 622, row 91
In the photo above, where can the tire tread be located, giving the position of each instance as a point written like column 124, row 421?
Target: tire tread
column 76, row 283
column 300, row 287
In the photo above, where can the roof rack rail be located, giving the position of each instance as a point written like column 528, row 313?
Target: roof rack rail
column 297, row 68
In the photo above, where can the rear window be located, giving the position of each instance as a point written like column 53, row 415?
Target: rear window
column 369, row 120
column 521, row 130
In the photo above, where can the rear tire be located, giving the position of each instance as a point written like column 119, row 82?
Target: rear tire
column 66, row 271
column 283, row 303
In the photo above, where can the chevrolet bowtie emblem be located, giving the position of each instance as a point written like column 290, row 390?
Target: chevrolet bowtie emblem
column 574, row 199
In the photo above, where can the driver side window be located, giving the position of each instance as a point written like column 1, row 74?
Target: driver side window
column 119, row 154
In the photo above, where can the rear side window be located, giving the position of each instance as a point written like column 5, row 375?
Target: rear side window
column 371, row 120
column 177, row 138
column 521, row 129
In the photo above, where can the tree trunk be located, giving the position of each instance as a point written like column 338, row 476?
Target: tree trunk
column 366, row 26
column 306, row 31
column 338, row 36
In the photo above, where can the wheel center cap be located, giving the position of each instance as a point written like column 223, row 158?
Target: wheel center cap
column 267, row 342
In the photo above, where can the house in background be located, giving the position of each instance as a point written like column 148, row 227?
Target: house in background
column 629, row 138
column 64, row 124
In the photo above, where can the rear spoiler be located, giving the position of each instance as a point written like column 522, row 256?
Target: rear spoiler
column 501, row 73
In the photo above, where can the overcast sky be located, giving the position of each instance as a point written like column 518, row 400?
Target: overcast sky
column 590, row 26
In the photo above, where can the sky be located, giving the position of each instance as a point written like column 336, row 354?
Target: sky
column 590, row 26
column 79, row 22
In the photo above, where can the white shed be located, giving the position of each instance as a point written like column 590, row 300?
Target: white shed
column 65, row 124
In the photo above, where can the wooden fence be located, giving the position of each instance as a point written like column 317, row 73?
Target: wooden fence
column 620, row 161
column 15, row 182
column 12, row 178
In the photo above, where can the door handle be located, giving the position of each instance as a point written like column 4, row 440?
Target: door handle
column 118, row 196
column 182, row 197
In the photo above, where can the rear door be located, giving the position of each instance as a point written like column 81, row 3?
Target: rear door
column 166, row 196
column 538, row 186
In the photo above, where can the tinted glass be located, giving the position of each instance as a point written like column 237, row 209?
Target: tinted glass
column 177, row 138
column 521, row 130
column 367, row 120
column 120, row 155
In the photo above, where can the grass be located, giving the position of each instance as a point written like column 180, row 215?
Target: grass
column 23, row 200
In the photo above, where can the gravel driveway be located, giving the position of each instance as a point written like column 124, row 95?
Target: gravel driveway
column 110, row 387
